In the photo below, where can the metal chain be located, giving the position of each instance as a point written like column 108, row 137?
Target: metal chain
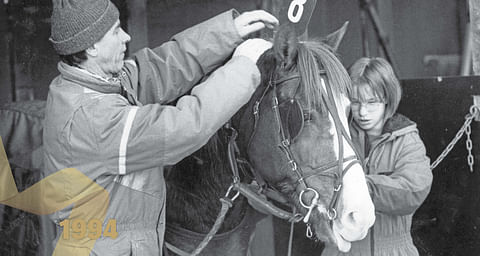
column 464, row 129
column 468, row 143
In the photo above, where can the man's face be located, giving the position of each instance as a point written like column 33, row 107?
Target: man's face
column 111, row 50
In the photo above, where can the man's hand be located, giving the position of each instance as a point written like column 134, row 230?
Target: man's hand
column 253, row 21
column 252, row 48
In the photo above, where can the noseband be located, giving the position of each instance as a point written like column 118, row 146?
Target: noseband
column 285, row 146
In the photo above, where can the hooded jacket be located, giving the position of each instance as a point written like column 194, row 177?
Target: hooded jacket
column 399, row 179
column 120, row 132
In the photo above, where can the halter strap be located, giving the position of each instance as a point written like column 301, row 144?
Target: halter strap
column 341, row 134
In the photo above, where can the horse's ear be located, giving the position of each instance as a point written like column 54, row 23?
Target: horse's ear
column 334, row 39
column 285, row 45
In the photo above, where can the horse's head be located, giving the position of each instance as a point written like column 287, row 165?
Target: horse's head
column 297, row 138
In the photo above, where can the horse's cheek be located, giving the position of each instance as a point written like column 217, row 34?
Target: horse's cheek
column 303, row 151
column 308, row 146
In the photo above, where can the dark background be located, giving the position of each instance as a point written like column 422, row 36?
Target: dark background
column 426, row 37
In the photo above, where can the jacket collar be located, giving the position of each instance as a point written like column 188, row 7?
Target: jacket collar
column 395, row 126
column 88, row 79
column 396, row 123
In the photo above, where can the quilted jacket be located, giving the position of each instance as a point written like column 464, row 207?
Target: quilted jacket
column 121, row 132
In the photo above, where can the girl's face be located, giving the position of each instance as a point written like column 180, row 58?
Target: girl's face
column 368, row 109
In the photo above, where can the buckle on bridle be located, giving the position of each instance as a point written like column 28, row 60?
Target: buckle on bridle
column 228, row 193
column 332, row 214
column 293, row 165
column 337, row 188
column 311, row 206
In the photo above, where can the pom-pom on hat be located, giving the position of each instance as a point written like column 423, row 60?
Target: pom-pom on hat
column 78, row 24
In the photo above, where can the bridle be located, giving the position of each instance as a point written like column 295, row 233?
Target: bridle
column 258, row 196
column 285, row 146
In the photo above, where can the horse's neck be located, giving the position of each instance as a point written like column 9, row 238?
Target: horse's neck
column 194, row 187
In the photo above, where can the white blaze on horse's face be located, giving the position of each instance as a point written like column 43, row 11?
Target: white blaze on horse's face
column 356, row 213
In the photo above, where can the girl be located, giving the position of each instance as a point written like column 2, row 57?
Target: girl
column 398, row 170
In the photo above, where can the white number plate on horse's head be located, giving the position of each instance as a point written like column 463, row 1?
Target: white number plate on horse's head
column 297, row 12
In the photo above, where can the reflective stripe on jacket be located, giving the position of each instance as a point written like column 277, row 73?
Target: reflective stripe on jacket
column 399, row 180
column 119, row 134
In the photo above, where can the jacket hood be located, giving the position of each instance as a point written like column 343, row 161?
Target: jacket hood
column 398, row 124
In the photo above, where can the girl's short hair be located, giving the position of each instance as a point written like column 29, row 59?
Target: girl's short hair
column 377, row 74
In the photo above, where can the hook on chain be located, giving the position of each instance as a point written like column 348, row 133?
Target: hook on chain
column 474, row 112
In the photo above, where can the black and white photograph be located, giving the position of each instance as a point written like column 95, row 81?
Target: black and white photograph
column 240, row 127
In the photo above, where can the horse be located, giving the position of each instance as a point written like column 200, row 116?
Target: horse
column 292, row 141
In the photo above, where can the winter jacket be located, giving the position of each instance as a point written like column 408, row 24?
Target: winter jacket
column 120, row 132
column 399, row 179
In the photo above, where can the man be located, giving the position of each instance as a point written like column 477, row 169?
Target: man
column 109, row 118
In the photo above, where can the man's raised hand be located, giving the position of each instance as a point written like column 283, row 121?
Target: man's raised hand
column 253, row 21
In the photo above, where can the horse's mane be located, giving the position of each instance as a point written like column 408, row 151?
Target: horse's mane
column 311, row 59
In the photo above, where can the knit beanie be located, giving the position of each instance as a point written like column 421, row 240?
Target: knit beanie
column 78, row 24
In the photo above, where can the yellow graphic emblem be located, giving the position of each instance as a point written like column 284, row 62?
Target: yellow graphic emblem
column 90, row 203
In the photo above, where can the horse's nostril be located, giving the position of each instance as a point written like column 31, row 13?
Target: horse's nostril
column 354, row 219
column 354, row 226
column 358, row 219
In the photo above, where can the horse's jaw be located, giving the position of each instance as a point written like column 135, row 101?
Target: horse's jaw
column 357, row 213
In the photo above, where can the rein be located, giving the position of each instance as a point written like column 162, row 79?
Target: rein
column 227, row 203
